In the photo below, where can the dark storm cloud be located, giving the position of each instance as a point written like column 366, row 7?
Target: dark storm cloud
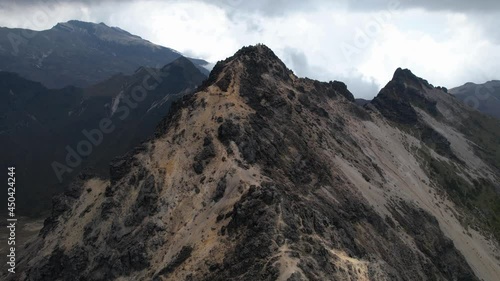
column 268, row 8
column 369, row 5
column 280, row 6
column 277, row 7
column 489, row 24
column 429, row 5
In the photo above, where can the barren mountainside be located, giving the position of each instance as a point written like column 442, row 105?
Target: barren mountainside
column 262, row 175
column 77, row 53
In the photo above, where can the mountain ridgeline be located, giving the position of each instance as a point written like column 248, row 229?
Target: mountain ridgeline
column 53, row 135
column 483, row 97
column 81, row 54
column 261, row 175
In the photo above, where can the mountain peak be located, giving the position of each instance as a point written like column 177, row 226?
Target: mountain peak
column 101, row 30
column 187, row 66
column 403, row 73
column 253, row 60
column 405, row 89
column 74, row 24
column 407, row 77
column 82, row 53
column 183, row 61
column 258, row 50
column 261, row 59
column 84, row 23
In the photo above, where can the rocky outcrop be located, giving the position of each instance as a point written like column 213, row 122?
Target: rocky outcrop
column 396, row 100
column 262, row 175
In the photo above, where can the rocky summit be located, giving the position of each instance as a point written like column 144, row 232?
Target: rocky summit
column 262, row 175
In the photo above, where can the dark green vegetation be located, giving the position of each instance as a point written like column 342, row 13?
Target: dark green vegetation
column 479, row 198
column 79, row 53
column 484, row 131
column 483, row 198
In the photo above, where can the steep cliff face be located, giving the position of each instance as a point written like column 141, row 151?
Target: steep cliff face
column 262, row 175
column 467, row 142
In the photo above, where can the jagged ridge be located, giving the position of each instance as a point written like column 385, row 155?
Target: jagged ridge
column 261, row 175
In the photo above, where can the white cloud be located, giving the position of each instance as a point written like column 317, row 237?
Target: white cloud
column 461, row 55
column 361, row 47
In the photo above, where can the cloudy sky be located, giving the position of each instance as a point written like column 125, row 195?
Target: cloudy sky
column 360, row 42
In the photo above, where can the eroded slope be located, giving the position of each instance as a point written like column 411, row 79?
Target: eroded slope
column 262, row 175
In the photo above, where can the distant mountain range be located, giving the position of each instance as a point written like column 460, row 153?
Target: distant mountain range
column 40, row 127
column 362, row 102
column 483, row 97
column 79, row 54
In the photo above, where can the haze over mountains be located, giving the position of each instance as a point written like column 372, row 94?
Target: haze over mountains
column 79, row 53
column 484, row 97
column 251, row 173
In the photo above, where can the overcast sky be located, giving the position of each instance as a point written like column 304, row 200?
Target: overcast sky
column 360, row 42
